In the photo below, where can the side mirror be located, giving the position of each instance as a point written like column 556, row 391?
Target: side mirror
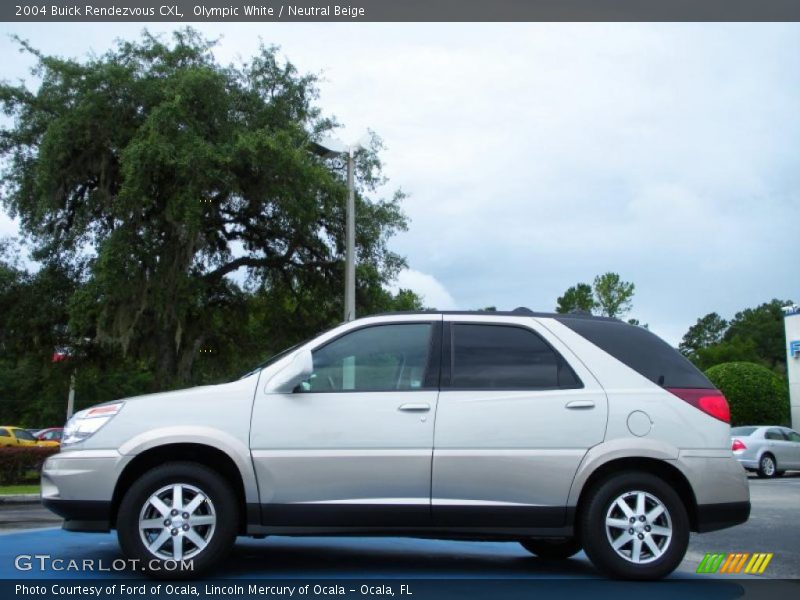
column 296, row 371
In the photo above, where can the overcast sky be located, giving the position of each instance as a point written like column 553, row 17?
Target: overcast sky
column 536, row 156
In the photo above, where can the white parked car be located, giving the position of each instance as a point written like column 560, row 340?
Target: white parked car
column 769, row 450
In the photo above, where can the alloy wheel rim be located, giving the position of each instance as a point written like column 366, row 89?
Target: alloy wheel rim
column 177, row 522
column 768, row 465
column 638, row 527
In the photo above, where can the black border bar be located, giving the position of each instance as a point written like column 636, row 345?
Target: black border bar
column 198, row 11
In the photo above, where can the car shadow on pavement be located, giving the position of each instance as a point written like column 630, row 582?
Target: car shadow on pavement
column 394, row 557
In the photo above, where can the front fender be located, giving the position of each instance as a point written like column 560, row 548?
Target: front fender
column 238, row 452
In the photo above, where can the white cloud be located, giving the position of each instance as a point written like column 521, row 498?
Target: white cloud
column 539, row 155
column 433, row 293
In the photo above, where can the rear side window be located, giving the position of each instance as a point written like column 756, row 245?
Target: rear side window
column 792, row 436
column 501, row 357
column 641, row 350
column 774, row 434
column 4, row 433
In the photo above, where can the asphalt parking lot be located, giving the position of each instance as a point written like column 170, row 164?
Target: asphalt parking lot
column 773, row 527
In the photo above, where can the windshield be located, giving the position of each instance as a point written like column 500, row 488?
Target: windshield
column 24, row 435
column 281, row 354
column 743, row 431
column 272, row 360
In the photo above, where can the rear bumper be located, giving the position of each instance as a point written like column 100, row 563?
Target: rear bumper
column 712, row 517
column 748, row 464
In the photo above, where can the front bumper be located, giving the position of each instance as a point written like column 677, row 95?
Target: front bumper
column 81, row 515
column 78, row 485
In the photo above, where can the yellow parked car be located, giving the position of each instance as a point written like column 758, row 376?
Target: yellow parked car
column 16, row 436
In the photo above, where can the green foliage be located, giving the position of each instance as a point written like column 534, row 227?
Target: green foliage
column 613, row 296
column 609, row 296
column 757, row 396
column 753, row 335
column 763, row 327
column 15, row 462
column 706, row 332
column 579, row 297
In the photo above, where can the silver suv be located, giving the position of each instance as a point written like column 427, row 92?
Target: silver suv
column 562, row 432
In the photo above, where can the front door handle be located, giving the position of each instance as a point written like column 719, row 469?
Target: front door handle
column 414, row 407
column 579, row 404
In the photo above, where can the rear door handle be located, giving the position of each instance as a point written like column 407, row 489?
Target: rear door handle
column 414, row 407
column 579, row 404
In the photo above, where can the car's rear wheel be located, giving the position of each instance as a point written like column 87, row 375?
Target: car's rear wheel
column 767, row 467
column 175, row 513
column 555, row 549
column 634, row 526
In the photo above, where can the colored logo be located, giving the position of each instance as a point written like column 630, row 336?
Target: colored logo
column 794, row 348
column 735, row 562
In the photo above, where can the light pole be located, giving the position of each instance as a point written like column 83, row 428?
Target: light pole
column 328, row 148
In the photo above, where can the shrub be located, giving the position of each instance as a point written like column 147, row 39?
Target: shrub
column 757, row 396
column 16, row 461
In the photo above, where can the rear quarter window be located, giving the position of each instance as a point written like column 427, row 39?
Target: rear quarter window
column 641, row 350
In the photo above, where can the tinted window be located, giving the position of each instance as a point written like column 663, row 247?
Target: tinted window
column 380, row 358
column 503, row 357
column 793, row 436
column 4, row 433
column 21, row 434
column 774, row 434
column 641, row 350
column 743, row 431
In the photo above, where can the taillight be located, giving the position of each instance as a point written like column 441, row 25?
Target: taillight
column 711, row 402
column 738, row 445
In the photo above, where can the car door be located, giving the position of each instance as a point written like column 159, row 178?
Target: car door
column 794, row 447
column 352, row 446
column 516, row 414
column 778, row 445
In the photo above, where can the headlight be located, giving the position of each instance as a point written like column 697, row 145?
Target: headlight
column 85, row 423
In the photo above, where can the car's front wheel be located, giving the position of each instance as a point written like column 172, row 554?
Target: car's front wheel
column 634, row 526
column 179, row 513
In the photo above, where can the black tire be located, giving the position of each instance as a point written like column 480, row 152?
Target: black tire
column 222, row 506
column 555, row 549
column 597, row 541
column 767, row 466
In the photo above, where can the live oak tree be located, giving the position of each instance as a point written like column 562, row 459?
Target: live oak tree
column 182, row 196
